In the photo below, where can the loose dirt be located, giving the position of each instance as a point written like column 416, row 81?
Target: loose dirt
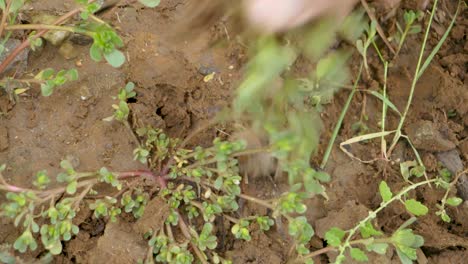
column 37, row 132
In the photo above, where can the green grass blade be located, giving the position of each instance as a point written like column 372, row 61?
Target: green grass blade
column 340, row 121
column 439, row 45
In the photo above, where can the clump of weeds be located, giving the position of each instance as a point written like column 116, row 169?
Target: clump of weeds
column 202, row 184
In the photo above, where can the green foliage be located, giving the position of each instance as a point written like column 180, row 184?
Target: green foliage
column 14, row 7
column 363, row 44
column 445, row 174
column 410, row 17
column 166, row 251
column 292, row 202
column 411, row 168
column 24, row 241
column 368, row 230
column 334, row 236
column 105, row 44
column 415, row 207
column 358, row 255
column 135, row 202
column 34, row 42
column 454, row 201
column 108, row 177
column 105, row 207
column 406, row 243
column 51, row 79
column 302, row 232
column 42, row 180
column 122, row 110
column 265, row 222
column 88, row 8
column 379, row 248
column 206, row 240
column 241, row 230
column 385, row 191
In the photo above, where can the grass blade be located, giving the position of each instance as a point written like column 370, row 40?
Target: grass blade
column 340, row 121
column 439, row 45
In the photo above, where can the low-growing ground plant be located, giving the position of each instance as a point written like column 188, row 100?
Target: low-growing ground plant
column 202, row 184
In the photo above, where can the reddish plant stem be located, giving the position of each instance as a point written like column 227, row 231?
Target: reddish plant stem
column 145, row 173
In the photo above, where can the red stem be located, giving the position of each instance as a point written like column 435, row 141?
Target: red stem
column 145, row 173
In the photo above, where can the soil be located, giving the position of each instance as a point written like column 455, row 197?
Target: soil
column 37, row 132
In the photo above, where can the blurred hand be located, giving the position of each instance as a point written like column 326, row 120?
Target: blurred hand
column 280, row 15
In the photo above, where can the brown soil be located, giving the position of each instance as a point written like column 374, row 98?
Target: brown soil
column 37, row 132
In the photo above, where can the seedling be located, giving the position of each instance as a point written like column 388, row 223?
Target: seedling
column 363, row 44
column 409, row 17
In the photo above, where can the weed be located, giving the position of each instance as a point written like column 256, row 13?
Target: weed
column 202, row 184
column 409, row 17
column 363, row 45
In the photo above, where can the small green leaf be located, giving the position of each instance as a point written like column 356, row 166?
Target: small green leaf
column 445, row 217
column 47, row 88
column 379, row 248
column 416, row 207
column 72, row 74
column 45, row 74
column 129, row 87
column 403, row 258
column 334, row 236
column 454, row 201
column 116, row 58
column 71, row 187
column 385, row 191
column 360, row 46
column 55, row 248
column 358, row 255
column 322, row 176
column 415, row 29
column 95, row 53
column 150, row 3
column 367, row 230
column 16, row 5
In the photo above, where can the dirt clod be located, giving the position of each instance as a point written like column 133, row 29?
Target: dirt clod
column 425, row 135
column 156, row 211
column 119, row 245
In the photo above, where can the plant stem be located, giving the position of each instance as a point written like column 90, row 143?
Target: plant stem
column 403, row 37
column 378, row 27
column 451, row 185
column 355, row 242
column 383, row 143
column 185, row 231
column 235, row 154
column 6, row 80
column 256, row 200
column 378, row 51
column 4, row 16
column 49, row 27
column 373, row 214
column 340, row 121
column 413, row 84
